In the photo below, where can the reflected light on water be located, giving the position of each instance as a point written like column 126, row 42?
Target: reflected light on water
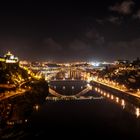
column 95, row 89
column 123, row 103
column 108, row 95
column 26, row 120
column 112, row 97
column 137, row 112
column 117, row 99
column 36, row 107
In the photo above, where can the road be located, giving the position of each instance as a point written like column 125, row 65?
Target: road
column 9, row 94
column 18, row 91
column 125, row 92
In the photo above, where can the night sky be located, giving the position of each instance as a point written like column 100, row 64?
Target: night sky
column 101, row 30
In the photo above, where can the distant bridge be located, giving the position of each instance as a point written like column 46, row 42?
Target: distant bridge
column 81, row 93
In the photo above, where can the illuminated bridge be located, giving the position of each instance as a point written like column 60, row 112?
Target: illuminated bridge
column 69, row 89
column 68, row 83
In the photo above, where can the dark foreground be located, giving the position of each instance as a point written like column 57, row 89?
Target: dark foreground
column 89, row 119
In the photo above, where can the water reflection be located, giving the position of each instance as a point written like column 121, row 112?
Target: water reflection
column 112, row 97
column 120, row 101
column 16, row 112
column 108, row 95
column 68, row 87
column 13, row 114
column 36, row 107
column 64, row 87
column 117, row 100
column 137, row 112
column 123, row 103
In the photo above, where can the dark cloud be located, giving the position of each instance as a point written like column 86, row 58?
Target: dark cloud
column 124, row 8
column 123, row 13
column 26, row 48
column 100, row 21
column 93, row 36
column 137, row 15
column 124, row 49
column 89, row 46
column 83, row 31
column 92, row 47
column 80, row 49
column 52, row 45
column 78, row 46
column 17, row 45
column 117, row 20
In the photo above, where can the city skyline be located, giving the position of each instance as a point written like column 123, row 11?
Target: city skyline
column 70, row 66
column 82, row 31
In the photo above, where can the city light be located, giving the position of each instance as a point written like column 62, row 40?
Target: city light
column 95, row 64
column 36, row 107
column 69, row 66
column 117, row 99
column 112, row 97
column 137, row 112
column 108, row 95
column 123, row 103
column 64, row 87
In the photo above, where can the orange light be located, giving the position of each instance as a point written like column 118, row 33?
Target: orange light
column 137, row 112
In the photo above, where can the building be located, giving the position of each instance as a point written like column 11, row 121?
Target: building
column 2, row 59
column 122, row 62
column 9, row 58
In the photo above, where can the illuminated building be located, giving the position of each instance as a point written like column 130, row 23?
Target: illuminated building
column 9, row 58
column 2, row 59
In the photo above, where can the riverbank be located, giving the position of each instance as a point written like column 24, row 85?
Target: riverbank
column 16, row 109
column 132, row 97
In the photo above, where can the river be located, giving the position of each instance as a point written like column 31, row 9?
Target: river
column 105, row 115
